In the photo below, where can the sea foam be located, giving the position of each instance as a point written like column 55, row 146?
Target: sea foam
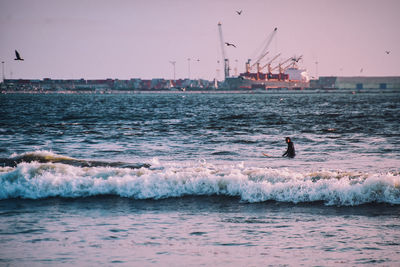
column 34, row 180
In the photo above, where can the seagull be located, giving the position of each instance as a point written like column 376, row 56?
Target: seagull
column 229, row 44
column 17, row 56
column 297, row 59
column 387, row 52
column 239, row 12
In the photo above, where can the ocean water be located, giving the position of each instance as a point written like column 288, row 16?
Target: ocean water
column 180, row 179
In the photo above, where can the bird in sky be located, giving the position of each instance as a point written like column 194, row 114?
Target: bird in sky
column 387, row 52
column 17, row 56
column 297, row 59
column 239, row 12
column 229, row 44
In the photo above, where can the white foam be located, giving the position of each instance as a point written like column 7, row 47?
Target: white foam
column 35, row 180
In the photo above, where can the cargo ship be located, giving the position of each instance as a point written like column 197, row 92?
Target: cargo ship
column 288, row 75
column 291, row 78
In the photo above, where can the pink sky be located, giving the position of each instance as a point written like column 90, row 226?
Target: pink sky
column 137, row 39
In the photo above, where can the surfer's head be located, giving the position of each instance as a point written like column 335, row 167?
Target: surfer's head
column 288, row 140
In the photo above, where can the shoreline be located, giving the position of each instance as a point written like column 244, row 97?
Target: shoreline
column 286, row 91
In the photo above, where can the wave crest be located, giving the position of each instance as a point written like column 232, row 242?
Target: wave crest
column 36, row 180
column 50, row 157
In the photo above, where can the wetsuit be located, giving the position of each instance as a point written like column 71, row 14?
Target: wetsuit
column 290, row 150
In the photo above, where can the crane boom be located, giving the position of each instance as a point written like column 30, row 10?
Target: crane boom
column 282, row 68
column 281, row 64
column 224, row 56
column 259, row 59
column 264, row 51
column 269, row 62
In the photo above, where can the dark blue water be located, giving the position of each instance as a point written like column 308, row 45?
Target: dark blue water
column 325, row 128
column 180, row 179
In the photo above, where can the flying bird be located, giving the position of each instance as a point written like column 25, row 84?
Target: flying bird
column 297, row 59
column 387, row 52
column 229, row 44
column 17, row 56
column 239, row 12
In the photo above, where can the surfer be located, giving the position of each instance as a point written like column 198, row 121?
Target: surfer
column 290, row 153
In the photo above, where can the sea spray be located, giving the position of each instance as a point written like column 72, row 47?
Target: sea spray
column 36, row 180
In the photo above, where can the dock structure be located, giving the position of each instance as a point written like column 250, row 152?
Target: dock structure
column 357, row 82
column 323, row 83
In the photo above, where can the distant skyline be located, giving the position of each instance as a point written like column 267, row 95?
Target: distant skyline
column 98, row 39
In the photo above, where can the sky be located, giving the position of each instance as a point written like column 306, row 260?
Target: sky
column 121, row 39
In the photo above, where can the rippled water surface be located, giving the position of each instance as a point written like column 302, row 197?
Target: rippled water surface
column 326, row 128
column 180, row 179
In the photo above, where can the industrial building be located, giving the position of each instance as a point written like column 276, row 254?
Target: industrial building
column 357, row 83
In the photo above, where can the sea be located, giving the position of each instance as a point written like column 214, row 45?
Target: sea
column 180, row 179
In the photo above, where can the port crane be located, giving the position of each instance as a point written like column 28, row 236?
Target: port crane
column 224, row 55
column 264, row 51
column 282, row 66
column 269, row 63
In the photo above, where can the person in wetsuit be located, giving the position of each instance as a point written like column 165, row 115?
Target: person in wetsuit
column 290, row 153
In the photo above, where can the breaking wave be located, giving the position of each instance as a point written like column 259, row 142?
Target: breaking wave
column 49, row 157
column 36, row 179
